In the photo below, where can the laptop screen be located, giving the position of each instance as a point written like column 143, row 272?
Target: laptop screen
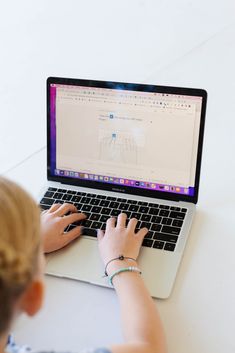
column 122, row 136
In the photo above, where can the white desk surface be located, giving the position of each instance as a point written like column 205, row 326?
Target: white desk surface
column 182, row 43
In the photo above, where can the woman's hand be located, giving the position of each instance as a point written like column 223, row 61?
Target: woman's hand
column 120, row 239
column 53, row 223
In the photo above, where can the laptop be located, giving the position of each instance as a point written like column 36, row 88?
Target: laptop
column 124, row 147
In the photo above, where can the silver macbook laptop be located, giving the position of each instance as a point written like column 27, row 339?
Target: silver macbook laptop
column 120, row 147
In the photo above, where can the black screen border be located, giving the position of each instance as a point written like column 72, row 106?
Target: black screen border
column 132, row 87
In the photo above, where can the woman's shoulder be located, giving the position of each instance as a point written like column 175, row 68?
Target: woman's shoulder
column 12, row 347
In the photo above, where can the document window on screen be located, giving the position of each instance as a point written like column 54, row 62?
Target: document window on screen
column 129, row 134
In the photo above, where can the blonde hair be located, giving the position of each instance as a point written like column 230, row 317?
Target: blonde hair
column 19, row 246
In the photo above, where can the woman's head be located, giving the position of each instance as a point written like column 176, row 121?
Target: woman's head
column 19, row 250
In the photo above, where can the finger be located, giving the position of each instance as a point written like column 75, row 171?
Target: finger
column 110, row 223
column 142, row 232
column 121, row 220
column 54, row 207
column 100, row 234
column 66, row 238
column 65, row 208
column 74, row 217
column 132, row 224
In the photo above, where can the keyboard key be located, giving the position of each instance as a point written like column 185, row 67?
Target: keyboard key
column 95, row 217
column 67, row 197
column 156, row 227
column 103, row 226
column 81, row 193
column 147, row 242
column 110, row 198
column 94, row 202
column 154, row 205
column 91, row 195
column 71, row 192
column 167, row 221
column 123, row 206
column 165, row 237
column 164, row 213
column 173, row 208
column 156, row 219
column 49, row 194
column 104, row 203
column 142, row 203
column 136, row 215
column 96, row 209
column 102, row 197
column 85, row 200
column 89, row 231
column 171, row 230
column 132, row 202
column 46, row 201
column 128, row 214
column 104, row 218
column 114, row 204
column 115, row 213
column 133, row 208
column 154, row 211
column 86, row 223
column 105, row 211
column 96, row 225
column 169, row 247
column 122, row 200
column 143, row 209
column 86, row 208
column 177, row 215
column 177, row 223
column 158, row 244
column 62, row 190
column 184, row 210
column 52, row 189
column 76, row 198
column 58, row 195
column 145, row 217
column 164, row 207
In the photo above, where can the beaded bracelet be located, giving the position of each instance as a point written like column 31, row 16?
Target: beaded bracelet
column 120, row 257
column 125, row 269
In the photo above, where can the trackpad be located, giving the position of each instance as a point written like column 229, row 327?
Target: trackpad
column 79, row 260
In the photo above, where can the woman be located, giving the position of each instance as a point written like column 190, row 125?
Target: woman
column 22, row 243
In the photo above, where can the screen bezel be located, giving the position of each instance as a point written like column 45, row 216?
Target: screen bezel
column 133, row 87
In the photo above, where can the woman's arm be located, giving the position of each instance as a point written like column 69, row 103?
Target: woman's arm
column 141, row 323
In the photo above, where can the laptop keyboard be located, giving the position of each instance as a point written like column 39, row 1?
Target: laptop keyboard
column 163, row 222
